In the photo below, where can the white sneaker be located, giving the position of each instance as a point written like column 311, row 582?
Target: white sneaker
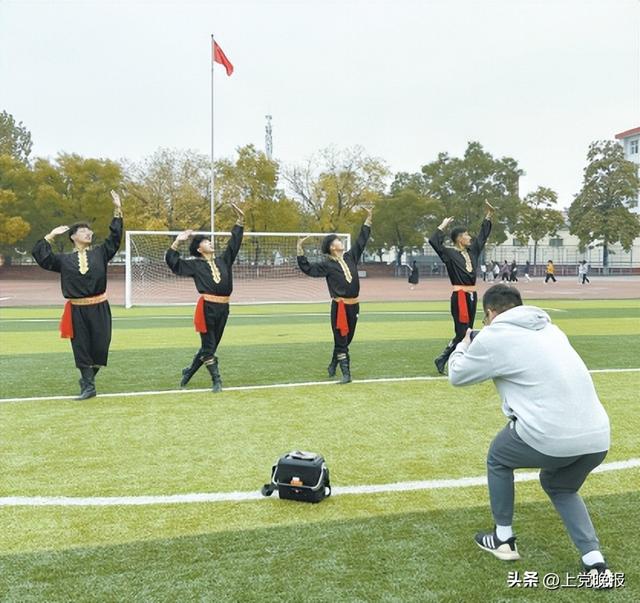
column 506, row 550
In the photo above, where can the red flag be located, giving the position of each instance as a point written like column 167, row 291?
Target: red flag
column 221, row 57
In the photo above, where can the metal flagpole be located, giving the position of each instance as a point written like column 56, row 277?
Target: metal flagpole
column 212, row 165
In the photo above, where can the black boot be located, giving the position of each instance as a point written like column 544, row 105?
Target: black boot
column 215, row 375
column 343, row 360
column 441, row 360
column 87, row 384
column 333, row 365
column 190, row 371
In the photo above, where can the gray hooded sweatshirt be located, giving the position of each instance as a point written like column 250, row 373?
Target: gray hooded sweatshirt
column 542, row 381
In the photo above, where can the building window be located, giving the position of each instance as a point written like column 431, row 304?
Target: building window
column 633, row 147
column 557, row 242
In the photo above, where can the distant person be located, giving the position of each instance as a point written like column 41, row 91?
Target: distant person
column 414, row 274
column 505, row 272
column 513, row 274
column 340, row 269
column 583, row 271
column 527, row 268
column 435, row 269
column 555, row 419
column 213, row 278
column 461, row 261
column 483, row 271
column 496, row 270
column 551, row 269
column 83, row 277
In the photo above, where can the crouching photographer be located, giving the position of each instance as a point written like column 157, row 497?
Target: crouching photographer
column 556, row 421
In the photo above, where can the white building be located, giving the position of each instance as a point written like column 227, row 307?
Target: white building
column 630, row 141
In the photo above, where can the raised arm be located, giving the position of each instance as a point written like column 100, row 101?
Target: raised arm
column 436, row 240
column 315, row 270
column 112, row 242
column 485, row 229
column 237, row 232
column 365, row 232
column 179, row 266
column 43, row 253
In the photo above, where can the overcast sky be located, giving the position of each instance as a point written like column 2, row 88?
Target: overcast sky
column 536, row 80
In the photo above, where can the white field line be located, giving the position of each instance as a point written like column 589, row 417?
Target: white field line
column 242, row 388
column 211, row 497
column 234, row 316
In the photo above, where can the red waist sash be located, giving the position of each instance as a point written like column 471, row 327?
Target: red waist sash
column 66, row 321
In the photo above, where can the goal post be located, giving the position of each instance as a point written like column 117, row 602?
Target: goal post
column 265, row 271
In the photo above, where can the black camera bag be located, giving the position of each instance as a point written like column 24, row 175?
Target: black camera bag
column 299, row 475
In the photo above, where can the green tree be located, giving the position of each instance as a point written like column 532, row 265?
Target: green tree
column 15, row 139
column 463, row 184
column 169, row 190
column 403, row 221
column 333, row 186
column 600, row 212
column 70, row 189
column 538, row 218
column 251, row 181
column 15, row 184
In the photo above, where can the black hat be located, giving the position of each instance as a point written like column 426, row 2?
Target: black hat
column 326, row 243
column 457, row 231
column 74, row 227
column 195, row 243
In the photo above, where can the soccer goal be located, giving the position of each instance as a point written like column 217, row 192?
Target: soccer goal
column 265, row 271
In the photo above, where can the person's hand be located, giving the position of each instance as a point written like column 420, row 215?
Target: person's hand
column 183, row 236
column 445, row 223
column 238, row 211
column 58, row 230
column 490, row 209
column 369, row 210
column 301, row 240
column 115, row 197
column 467, row 338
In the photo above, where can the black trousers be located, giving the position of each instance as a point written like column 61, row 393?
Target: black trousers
column 461, row 327
column 91, row 334
column 215, row 316
column 549, row 276
column 341, row 342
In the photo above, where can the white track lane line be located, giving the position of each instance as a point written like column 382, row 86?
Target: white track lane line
column 242, row 388
column 212, row 497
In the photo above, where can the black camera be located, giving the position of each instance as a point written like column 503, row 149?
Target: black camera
column 473, row 334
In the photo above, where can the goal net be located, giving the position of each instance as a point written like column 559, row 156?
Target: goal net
column 266, row 269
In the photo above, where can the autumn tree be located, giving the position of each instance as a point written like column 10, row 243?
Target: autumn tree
column 333, row 185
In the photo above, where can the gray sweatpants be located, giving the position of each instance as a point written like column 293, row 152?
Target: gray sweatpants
column 561, row 478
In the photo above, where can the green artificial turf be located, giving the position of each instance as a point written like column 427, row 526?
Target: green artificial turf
column 402, row 546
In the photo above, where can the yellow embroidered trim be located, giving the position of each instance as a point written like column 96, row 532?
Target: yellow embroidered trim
column 345, row 269
column 83, row 261
column 467, row 260
column 214, row 270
